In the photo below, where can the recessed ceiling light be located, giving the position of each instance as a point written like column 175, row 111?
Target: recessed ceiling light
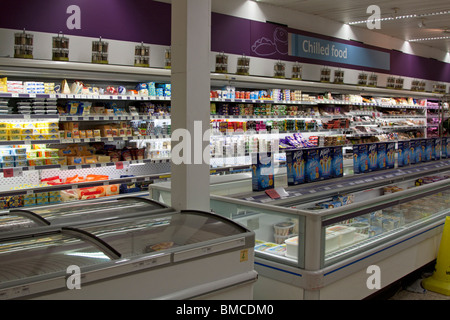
column 408, row 16
column 430, row 38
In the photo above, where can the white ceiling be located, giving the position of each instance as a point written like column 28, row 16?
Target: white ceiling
column 346, row 11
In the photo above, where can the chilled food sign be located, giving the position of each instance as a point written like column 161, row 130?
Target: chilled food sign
column 332, row 51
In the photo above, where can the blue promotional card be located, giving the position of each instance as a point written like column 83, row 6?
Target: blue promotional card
column 295, row 162
column 360, row 158
column 445, row 148
column 312, row 165
column 428, row 149
column 412, row 151
column 403, row 153
column 262, row 171
column 372, row 156
column 325, row 163
column 436, row 148
column 420, row 150
column 381, row 151
column 390, row 155
column 337, row 162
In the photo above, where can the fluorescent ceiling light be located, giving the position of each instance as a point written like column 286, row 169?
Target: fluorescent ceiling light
column 408, row 16
column 428, row 39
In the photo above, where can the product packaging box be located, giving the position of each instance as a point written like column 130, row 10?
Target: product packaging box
column 445, row 145
column 381, row 153
column 390, row 155
column 403, row 153
column 436, row 148
column 325, row 163
column 262, row 171
column 443, row 148
column 412, row 151
column 312, row 165
column 372, row 156
column 360, row 159
column 337, row 162
column 295, row 162
column 420, row 150
column 428, row 154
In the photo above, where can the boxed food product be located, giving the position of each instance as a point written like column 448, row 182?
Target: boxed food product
column 312, row 165
column 420, row 150
column 403, row 153
column 15, row 201
column 291, row 247
column 262, row 171
column 325, row 158
column 381, row 154
column 295, row 162
column 437, row 148
column 278, row 250
column 446, row 147
column 331, row 241
column 428, row 152
column 330, row 204
column 346, row 234
column 372, row 156
column 360, row 160
column 390, row 155
column 337, row 162
column 344, row 198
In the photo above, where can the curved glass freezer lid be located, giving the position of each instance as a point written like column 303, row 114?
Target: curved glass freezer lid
column 78, row 212
column 176, row 230
column 48, row 253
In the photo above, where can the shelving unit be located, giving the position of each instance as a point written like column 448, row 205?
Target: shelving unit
column 159, row 168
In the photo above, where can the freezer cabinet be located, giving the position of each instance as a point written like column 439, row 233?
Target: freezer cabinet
column 323, row 252
column 174, row 255
column 78, row 212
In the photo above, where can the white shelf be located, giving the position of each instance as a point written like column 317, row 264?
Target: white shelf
column 86, row 140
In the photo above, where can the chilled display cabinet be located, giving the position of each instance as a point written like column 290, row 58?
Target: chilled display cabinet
column 319, row 239
column 165, row 255
column 101, row 209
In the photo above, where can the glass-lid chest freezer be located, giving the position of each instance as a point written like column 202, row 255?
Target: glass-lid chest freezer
column 78, row 212
column 317, row 240
column 324, row 242
column 171, row 255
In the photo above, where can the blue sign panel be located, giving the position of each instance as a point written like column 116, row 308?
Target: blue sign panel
column 315, row 48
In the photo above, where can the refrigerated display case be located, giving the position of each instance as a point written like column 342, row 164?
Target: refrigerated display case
column 171, row 255
column 101, row 209
column 319, row 240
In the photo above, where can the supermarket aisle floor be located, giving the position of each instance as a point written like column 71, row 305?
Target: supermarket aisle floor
column 409, row 287
column 428, row 295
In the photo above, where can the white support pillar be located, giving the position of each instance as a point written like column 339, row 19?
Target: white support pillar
column 191, row 38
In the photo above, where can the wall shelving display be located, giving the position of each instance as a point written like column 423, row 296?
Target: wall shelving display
column 118, row 131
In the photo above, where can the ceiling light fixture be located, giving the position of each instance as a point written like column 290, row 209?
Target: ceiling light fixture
column 430, row 38
column 408, row 16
